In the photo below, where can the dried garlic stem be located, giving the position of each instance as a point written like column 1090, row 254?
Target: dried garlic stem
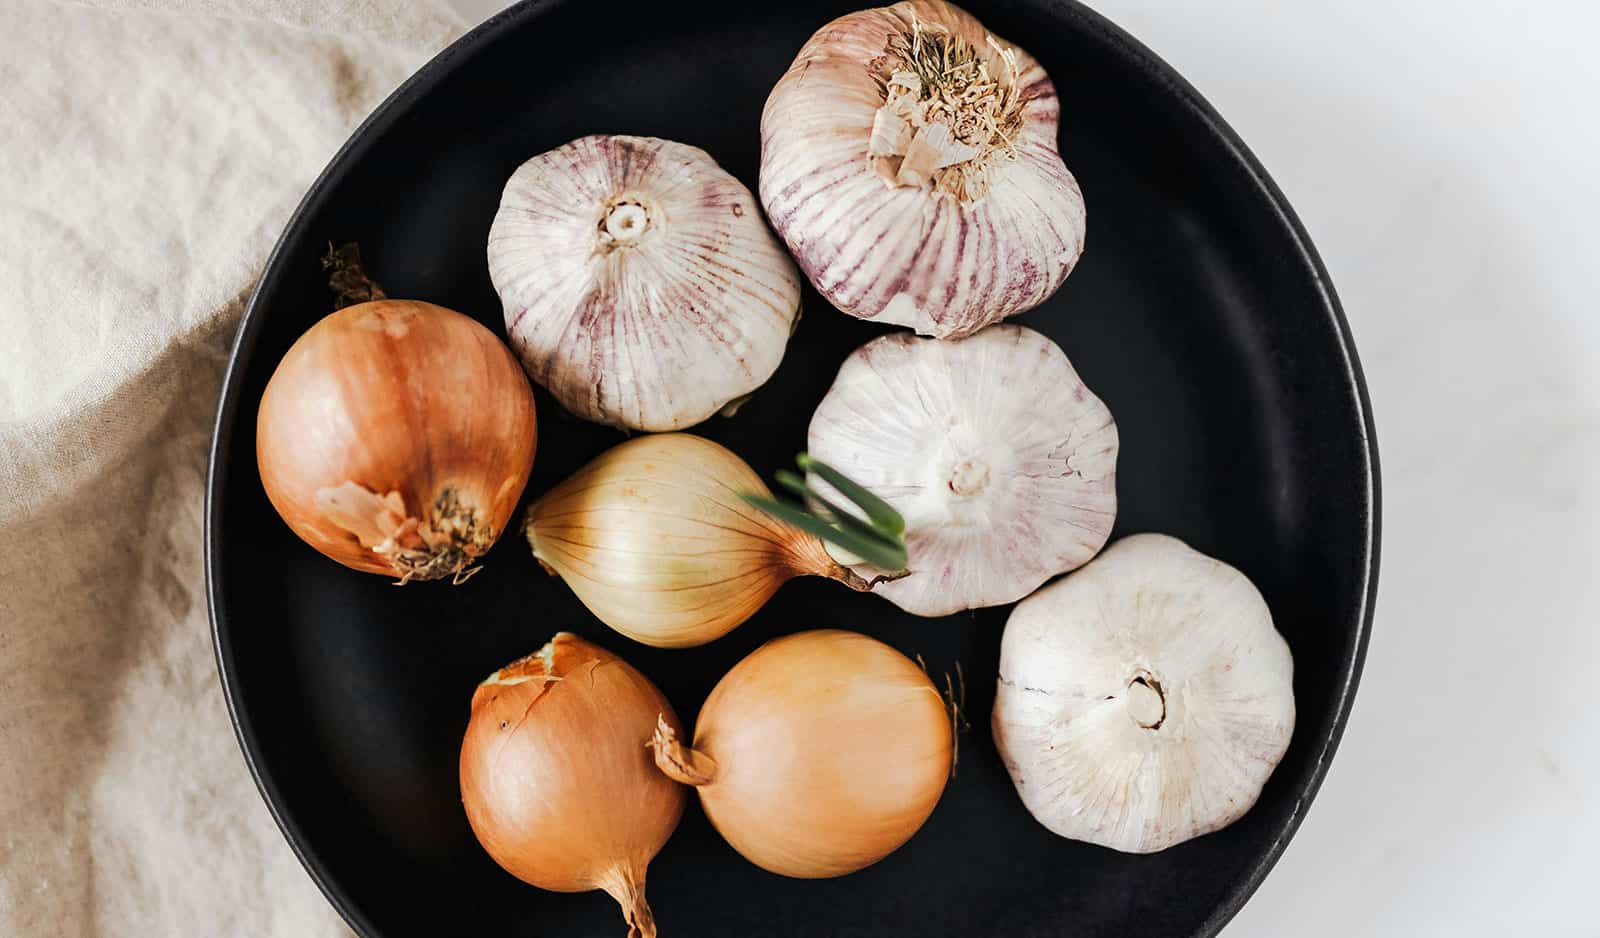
column 946, row 121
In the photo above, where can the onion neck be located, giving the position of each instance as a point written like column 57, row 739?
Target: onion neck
column 677, row 761
column 348, row 279
column 627, row 887
column 806, row 555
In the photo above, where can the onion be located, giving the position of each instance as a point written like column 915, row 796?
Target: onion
column 556, row 779
column 396, row 437
column 656, row 540
column 818, row 754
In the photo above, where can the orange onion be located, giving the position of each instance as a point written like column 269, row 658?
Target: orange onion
column 556, row 777
column 396, row 437
column 818, row 754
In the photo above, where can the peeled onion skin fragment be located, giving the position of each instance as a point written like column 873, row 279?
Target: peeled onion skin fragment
column 1000, row 459
column 909, row 160
column 640, row 284
column 1145, row 699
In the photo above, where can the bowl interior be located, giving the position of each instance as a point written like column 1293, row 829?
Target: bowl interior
column 1197, row 313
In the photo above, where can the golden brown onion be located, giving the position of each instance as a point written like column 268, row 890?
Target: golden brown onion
column 556, row 778
column 818, row 754
column 395, row 437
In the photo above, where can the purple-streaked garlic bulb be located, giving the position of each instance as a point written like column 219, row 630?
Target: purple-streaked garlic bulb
column 908, row 158
column 1145, row 699
column 641, row 286
column 1001, row 460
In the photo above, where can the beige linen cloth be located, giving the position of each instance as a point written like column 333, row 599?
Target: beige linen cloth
column 150, row 152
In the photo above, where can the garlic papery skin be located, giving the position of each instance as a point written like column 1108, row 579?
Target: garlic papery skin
column 1001, row 460
column 640, row 284
column 909, row 160
column 653, row 537
column 1144, row 699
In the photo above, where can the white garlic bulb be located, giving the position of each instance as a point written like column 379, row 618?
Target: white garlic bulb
column 1001, row 460
column 909, row 160
column 641, row 286
column 1145, row 699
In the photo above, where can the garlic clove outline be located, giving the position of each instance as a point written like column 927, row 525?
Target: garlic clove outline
column 640, row 284
column 962, row 218
column 1145, row 699
column 1001, row 460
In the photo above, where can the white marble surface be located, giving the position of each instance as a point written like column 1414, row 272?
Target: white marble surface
column 1444, row 155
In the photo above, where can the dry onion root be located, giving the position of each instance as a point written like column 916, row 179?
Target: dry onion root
column 818, row 754
column 656, row 540
column 396, row 436
column 556, row 780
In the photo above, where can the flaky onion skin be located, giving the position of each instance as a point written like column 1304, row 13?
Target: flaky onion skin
column 395, row 437
column 818, row 754
column 1000, row 458
column 943, row 264
column 557, row 781
column 1145, row 699
column 641, row 286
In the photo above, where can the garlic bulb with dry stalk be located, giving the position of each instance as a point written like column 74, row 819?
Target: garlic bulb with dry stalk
column 909, row 160
column 818, row 754
column 1000, row 459
column 556, row 780
column 641, row 286
column 657, row 541
column 1144, row 699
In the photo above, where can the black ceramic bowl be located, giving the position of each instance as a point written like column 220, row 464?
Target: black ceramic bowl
column 1199, row 313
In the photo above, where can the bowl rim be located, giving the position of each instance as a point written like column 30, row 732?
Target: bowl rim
column 1072, row 13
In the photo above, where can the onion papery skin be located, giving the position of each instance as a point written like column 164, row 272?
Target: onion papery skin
column 395, row 437
column 556, row 779
column 819, row 754
column 654, row 539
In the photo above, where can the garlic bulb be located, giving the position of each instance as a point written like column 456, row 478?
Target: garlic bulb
column 1145, row 699
column 641, row 286
column 1000, row 459
column 909, row 159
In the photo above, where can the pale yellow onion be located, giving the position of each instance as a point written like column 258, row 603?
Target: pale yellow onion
column 653, row 537
column 818, row 754
column 945, row 250
column 556, row 780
